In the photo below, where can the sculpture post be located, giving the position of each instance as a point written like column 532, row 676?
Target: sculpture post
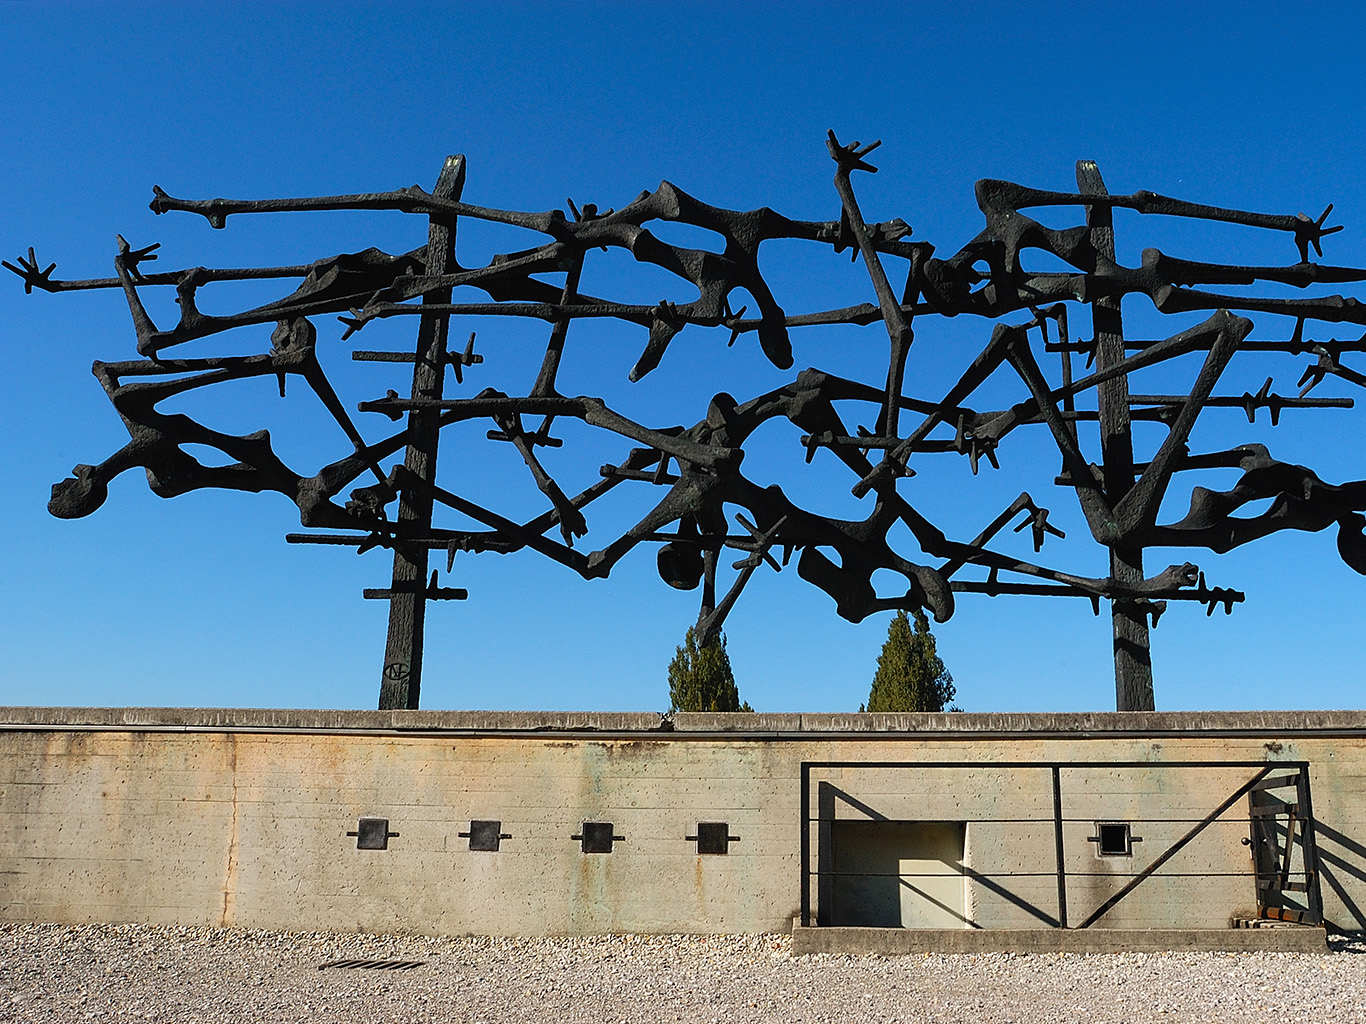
column 1133, row 660
column 401, row 682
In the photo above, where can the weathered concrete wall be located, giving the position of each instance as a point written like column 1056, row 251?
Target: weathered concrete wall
column 239, row 817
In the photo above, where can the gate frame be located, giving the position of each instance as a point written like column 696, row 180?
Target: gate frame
column 1308, row 844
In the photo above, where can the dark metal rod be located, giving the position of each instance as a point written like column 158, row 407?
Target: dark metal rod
column 1044, row 874
column 364, row 356
column 805, row 829
column 993, row 765
column 1057, row 847
column 1091, row 820
column 1289, row 345
column 1049, row 590
column 1239, row 401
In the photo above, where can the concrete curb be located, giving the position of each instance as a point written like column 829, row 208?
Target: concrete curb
column 894, row 941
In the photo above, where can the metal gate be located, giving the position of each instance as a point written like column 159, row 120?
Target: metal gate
column 1281, row 836
column 1283, row 869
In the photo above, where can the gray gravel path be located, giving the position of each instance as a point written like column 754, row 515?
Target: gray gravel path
column 136, row 972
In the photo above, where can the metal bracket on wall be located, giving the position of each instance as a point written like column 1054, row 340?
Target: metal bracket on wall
column 485, row 836
column 373, row 834
column 713, row 837
column 597, row 837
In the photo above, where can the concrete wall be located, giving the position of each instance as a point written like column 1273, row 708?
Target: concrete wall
column 239, row 817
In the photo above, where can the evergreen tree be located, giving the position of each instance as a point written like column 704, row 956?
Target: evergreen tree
column 910, row 676
column 700, row 678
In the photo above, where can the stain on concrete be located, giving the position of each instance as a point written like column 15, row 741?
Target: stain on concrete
column 634, row 748
column 228, row 915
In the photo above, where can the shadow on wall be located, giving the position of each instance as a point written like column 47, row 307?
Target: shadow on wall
column 898, row 874
column 1334, row 849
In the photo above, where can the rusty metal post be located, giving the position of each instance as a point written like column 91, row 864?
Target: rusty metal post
column 402, row 678
column 1133, row 661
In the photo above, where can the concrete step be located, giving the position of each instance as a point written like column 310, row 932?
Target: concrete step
column 892, row 941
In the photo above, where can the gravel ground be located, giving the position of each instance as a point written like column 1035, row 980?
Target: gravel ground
column 131, row 972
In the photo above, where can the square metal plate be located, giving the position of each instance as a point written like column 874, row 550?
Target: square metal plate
column 596, row 837
column 372, row 834
column 485, row 835
column 713, row 837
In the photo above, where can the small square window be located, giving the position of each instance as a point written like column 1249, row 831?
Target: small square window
column 596, row 837
column 1114, row 839
column 372, row 834
column 713, row 837
column 485, row 836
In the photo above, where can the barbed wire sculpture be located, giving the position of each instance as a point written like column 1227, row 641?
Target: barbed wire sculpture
column 697, row 471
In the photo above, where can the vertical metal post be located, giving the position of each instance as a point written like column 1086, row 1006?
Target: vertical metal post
column 402, row 678
column 806, row 845
column 1309, row 847
column 1133, row 661
column 827, row 863
column 1057, row 846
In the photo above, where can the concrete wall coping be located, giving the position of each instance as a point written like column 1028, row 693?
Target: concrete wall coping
column 687, row 725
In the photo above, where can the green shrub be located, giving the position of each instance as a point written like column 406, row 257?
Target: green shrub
column 910, row 676
column 700, row 678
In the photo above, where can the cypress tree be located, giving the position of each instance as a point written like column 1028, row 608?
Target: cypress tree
column 910, row 675
column 700, row 678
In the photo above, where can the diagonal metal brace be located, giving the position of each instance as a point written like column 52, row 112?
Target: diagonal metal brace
column 1177, row 847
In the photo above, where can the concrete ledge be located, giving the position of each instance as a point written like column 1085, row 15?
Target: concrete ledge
column 893, row 941
column 684, row 726
column 1034, row 724
column 326, row 720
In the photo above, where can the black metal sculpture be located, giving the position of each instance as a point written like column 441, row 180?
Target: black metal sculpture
column 699, row 469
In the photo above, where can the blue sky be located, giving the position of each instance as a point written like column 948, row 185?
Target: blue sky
column 199, row 600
